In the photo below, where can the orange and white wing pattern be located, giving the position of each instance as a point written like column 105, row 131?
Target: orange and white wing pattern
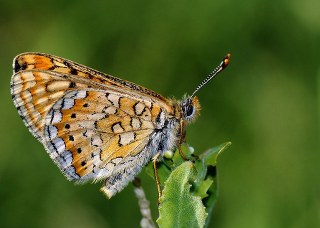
column 93, row 135
column 94, row 126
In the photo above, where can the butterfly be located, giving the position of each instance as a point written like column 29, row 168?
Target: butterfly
column 95, row 126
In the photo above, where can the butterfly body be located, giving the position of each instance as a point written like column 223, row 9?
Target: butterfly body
column 95, row 126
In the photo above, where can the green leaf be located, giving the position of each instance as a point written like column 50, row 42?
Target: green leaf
column 178, row 206
column 167, row 164
column 210, row 156
column 190, row 189
column 206, row 167
column 209, row 161
column 203, row 188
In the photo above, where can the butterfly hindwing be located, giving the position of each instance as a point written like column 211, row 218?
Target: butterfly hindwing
column 93, row 135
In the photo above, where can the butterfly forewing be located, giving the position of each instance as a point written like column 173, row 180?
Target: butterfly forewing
column 94, row 126
column 34, row 93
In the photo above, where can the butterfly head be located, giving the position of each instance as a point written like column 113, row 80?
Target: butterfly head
column 190, row 108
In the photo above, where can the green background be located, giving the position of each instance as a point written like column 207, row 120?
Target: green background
column 266, row 102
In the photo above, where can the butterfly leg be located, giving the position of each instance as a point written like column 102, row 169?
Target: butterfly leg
column 124, row 172
column 181, row 140
column 155, row 158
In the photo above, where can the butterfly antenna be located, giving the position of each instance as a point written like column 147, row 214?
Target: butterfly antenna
column 224, row 63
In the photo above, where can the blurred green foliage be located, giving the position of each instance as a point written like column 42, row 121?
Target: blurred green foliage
column 266, row 102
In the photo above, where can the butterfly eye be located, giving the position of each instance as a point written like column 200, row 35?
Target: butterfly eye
column 190, row 110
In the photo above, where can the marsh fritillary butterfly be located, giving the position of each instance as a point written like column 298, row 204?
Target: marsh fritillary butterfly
column 95, row 126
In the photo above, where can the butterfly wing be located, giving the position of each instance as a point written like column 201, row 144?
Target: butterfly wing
column 34, row 92
column 39, row 80
column 94, row 135
column 40, row 61
column 94, row 126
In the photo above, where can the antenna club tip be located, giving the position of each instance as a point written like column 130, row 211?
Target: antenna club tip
column 223, row 64
column 226, row 60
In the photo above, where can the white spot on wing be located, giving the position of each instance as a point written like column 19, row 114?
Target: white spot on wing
column 68, row 103
column 96, row 141
column 81, row 94
column 114, row 99
column 88, row 133
column 110, row 110
column 117, row 128
column 56, row 95
column 45, row 76
column 57, row 145
column 51, row 132
column 27, row 76
column 58, row 63
column 139, row 107
column 77, row 94
column 57, row 85
column 55, row 116
column 126, row 138
column 135, row 123
column 97, row 116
